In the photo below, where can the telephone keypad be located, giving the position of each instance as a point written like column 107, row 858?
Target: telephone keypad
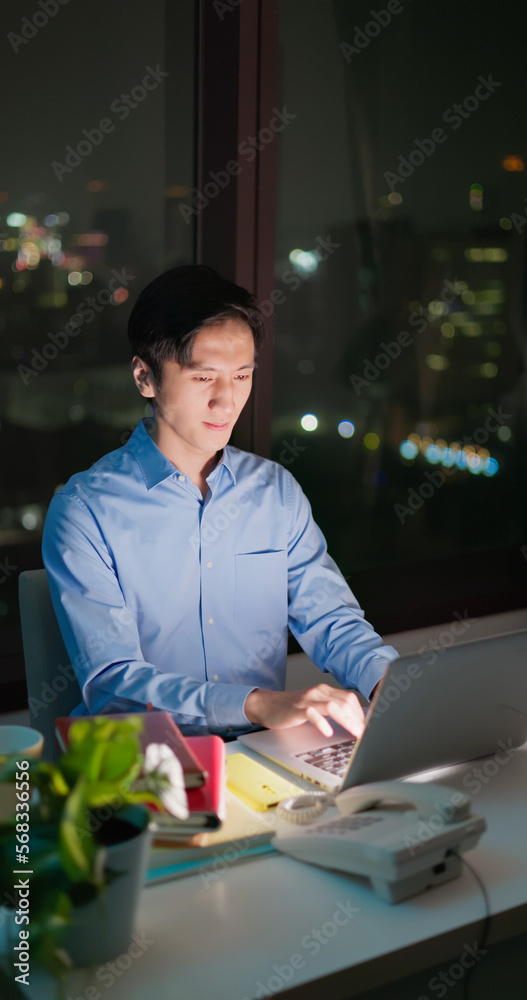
column 340, row 827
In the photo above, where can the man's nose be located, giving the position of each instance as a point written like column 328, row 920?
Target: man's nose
column 222, row 397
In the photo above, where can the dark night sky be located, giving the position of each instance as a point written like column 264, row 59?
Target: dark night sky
column 65, row 79
column 369, row 111
column 364, row 113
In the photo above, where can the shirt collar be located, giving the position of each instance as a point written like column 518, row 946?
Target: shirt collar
column 226, row 462
column 155, row 467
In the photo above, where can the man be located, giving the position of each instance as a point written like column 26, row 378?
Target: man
column 177, row 562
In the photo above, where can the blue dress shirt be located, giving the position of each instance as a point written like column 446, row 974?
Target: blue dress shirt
column 167, row 598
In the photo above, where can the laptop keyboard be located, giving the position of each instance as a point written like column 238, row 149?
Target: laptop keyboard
column 334, row 758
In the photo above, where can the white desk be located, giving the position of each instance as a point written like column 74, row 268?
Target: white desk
column 224, row 938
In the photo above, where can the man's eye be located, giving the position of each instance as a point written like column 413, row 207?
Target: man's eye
column 201, row 378
column 241, row 377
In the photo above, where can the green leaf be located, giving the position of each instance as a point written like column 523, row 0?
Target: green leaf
column 119, row 759
column 59, row 910
column 75, row 857
column 58, row 782
column 96, row 758
column 104, row 729
column 77, row 760
column 79, row 731
column 100, row 793
column 136, row 768
column 144, row 798
column 131, row 724
column 49, row 778
column 76, row 845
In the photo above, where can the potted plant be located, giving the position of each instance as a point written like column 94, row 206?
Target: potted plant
column 86, row 840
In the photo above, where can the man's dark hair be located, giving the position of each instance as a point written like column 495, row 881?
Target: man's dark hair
column 174, row 307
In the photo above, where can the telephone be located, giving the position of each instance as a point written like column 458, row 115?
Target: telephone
column 404, row 837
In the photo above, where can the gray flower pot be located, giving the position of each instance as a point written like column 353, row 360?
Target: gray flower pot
column 102, row 929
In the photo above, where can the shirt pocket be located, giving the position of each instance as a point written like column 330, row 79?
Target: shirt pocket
column 260, row 591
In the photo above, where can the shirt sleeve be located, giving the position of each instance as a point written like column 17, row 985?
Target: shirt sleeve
column 324, row 615
column 101, row 635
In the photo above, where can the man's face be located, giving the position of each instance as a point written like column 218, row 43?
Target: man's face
column 201, row 404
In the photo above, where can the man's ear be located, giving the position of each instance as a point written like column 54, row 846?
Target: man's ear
column 143, row 377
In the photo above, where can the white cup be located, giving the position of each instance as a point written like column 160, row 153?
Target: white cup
column 19, row 743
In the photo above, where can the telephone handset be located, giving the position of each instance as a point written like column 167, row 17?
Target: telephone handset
column 404, row 836
column 426, row 798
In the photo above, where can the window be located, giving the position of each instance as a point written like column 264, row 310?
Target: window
column 398, row 357
column 98, row 158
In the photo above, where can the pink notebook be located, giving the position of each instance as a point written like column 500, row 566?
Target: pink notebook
column 206, row 804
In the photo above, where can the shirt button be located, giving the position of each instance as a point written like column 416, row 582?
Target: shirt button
column 215, row 678
column 209, row 564
column 211, row 621
column 181, row 479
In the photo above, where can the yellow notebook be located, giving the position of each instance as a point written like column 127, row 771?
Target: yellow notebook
column 255, row 784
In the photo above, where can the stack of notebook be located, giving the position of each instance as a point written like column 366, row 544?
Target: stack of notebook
column 203, row 762
column 206, row 804
column 220, row 829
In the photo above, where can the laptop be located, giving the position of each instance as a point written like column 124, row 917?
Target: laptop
column 470, row 702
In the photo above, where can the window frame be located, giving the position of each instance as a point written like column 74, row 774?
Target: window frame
column 236, row 230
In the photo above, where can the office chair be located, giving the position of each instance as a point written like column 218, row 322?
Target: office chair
column 52, row 687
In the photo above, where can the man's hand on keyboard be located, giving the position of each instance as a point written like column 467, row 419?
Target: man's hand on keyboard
column 282, row 709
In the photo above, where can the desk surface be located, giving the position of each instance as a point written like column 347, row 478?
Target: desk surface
column 234, row 936
column 266, row 926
